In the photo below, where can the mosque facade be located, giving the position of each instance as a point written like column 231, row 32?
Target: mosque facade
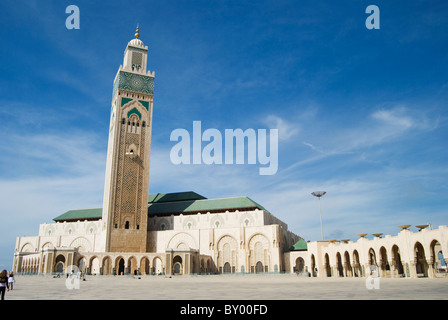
column 187, row 233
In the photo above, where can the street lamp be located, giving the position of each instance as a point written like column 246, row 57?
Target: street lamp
column 319, row 194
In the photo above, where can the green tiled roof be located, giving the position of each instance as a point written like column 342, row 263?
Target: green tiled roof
column 173, row 203
column 299, row 246
column 202, row 205
column 177, row 196
column 82, row 214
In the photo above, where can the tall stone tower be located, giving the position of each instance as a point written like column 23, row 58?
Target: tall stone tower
column 125, row 204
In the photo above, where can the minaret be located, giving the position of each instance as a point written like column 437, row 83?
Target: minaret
column 125, row 204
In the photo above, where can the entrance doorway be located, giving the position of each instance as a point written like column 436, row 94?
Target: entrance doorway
column 227, row 268
column 121, row 267
column 177, row 265
column 259, row 267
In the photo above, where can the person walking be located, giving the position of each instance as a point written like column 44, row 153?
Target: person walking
column 11, row 280
column 3, row 283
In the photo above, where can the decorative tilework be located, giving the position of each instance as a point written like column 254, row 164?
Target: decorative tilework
column 134, row 82
column 145, row 104
column 124, row 101
column 136, row 112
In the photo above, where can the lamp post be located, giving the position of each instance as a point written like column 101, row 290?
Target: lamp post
column 320, row 194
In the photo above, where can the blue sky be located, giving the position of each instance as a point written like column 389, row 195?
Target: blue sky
column 361, row 114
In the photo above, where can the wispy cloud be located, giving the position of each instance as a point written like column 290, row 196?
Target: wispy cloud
column 286, row 129
column 404, row 118
column 43, row 175
column 72, row 153
column 313, row 147
column 383, row 126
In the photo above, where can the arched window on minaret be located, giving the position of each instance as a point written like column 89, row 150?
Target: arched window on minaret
column 133, row 124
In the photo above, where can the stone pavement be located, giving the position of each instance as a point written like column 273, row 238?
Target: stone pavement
column 226, row 287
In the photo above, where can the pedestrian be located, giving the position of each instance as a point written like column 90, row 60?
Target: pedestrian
column 3, row 283
column 11, row 280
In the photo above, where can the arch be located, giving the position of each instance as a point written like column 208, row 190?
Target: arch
column 70, row 229
column 259, row 251
column 347, row 265
column 259, row 267
column 227, row 268
column 91, row 228
column 82, row 244
column 59, row 265
column 133, row 109
column 119, row 266
column 300, row 265
column 50, row 231
column 163, row 224
column 189, row 223
column 132, row 265
column 216, row 222
column 437, row 257
column 48, row 245
column 396, row 261
column 384, row 263
column 372, row 257
column 182, row 237
column 144, row 265
column 157, row 266
column 94, row 265
column 177, row 265
column 182, row 246
column 106, row 266
column 134, row 115
column 227, row 248
column 421, row 266
column 27, row 247
column 246, row 220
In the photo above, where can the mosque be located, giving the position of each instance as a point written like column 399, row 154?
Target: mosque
column 187, row 233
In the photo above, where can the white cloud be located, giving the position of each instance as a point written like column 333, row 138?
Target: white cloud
column 313, row 147
column 44, row 175
column 404, row 118
column 394, row 117
column 286, row 129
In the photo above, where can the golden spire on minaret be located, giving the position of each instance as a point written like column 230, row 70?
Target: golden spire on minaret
column 137, row 34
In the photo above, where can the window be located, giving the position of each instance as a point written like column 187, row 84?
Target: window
column 126, row 225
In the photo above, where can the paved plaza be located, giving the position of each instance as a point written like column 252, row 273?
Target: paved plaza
column 223, row 287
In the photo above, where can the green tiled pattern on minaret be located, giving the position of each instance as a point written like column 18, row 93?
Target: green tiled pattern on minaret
column 134, row 82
